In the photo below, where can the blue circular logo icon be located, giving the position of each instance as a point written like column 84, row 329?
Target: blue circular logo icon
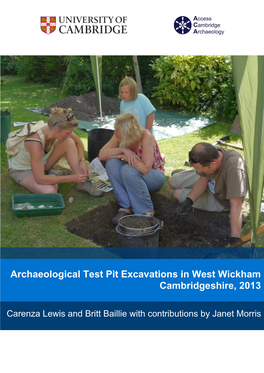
column 182, row 25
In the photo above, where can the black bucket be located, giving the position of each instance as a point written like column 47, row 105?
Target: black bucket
column 144, row 241
column 150, row 239
column 97, row 138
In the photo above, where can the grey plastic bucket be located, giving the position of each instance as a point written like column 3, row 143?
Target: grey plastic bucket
column 97, row 138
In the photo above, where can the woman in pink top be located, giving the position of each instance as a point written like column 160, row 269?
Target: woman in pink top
column 134, row 166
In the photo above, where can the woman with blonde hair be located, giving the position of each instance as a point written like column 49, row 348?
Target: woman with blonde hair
column 134, row 166
column 32, row 167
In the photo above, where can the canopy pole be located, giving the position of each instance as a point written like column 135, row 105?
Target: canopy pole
column 99, row 91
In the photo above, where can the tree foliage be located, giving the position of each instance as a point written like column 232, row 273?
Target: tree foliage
column 197, row 83
column 74, row 73
column 9, row 65
column 201, row 84
column 43, row 69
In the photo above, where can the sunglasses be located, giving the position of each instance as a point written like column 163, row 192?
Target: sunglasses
column 192, row 160
column 69, row 118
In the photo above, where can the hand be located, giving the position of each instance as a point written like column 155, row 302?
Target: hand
column 130, row 157
column 184, row 207
column 78, row 178
column 233, row 240
column 84, row 168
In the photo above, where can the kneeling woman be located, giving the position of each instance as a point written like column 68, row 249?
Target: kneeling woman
column 134, row 166
column 31, row 167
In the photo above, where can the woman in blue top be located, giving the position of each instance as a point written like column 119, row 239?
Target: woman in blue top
column 136, row 103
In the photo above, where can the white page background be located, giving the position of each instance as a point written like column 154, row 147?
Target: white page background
column 150, row 32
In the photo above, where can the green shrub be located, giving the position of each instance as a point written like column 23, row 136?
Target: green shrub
column 9, row 65
column 74, row 73
column 79, row 79
column 197, row 83
column 79, row 76
column 115, row 68
column 43, row 69
column 225, row 104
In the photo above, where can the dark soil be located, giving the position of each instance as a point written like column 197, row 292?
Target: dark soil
column 138, row 222
column 85, row 107
column 198, row 229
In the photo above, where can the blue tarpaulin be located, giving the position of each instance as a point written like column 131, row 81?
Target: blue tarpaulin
column 166, row 124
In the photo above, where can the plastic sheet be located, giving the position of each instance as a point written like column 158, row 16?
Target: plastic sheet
column 166, row 124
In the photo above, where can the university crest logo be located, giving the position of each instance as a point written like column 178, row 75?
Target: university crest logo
column 48, row 24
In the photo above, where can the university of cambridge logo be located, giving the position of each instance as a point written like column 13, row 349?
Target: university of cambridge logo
column 48, row 24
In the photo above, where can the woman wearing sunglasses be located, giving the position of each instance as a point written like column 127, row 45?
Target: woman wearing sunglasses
column 217, row 183
column 32, row 167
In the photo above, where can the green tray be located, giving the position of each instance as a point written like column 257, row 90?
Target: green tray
column 53, row 204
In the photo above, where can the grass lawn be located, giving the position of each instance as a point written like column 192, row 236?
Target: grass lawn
column 49, row 231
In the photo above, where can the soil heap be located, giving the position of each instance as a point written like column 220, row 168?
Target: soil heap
column 86, row 107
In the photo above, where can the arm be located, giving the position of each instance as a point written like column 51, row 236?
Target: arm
column 236, row 216
column 145, row 165
column 36, row 153
column 150, row 120
column 199, row 188
column 79, row 145
column 110, row 149
column 81, row 154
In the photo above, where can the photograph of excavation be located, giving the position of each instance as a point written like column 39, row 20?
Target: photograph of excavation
column 85, row 226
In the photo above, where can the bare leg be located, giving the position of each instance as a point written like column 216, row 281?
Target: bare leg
column 176, row 192
column 30, row 183
column 68, row 148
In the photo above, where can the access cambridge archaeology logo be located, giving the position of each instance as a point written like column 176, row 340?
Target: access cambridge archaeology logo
column 84, row 24
column 197, row 26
